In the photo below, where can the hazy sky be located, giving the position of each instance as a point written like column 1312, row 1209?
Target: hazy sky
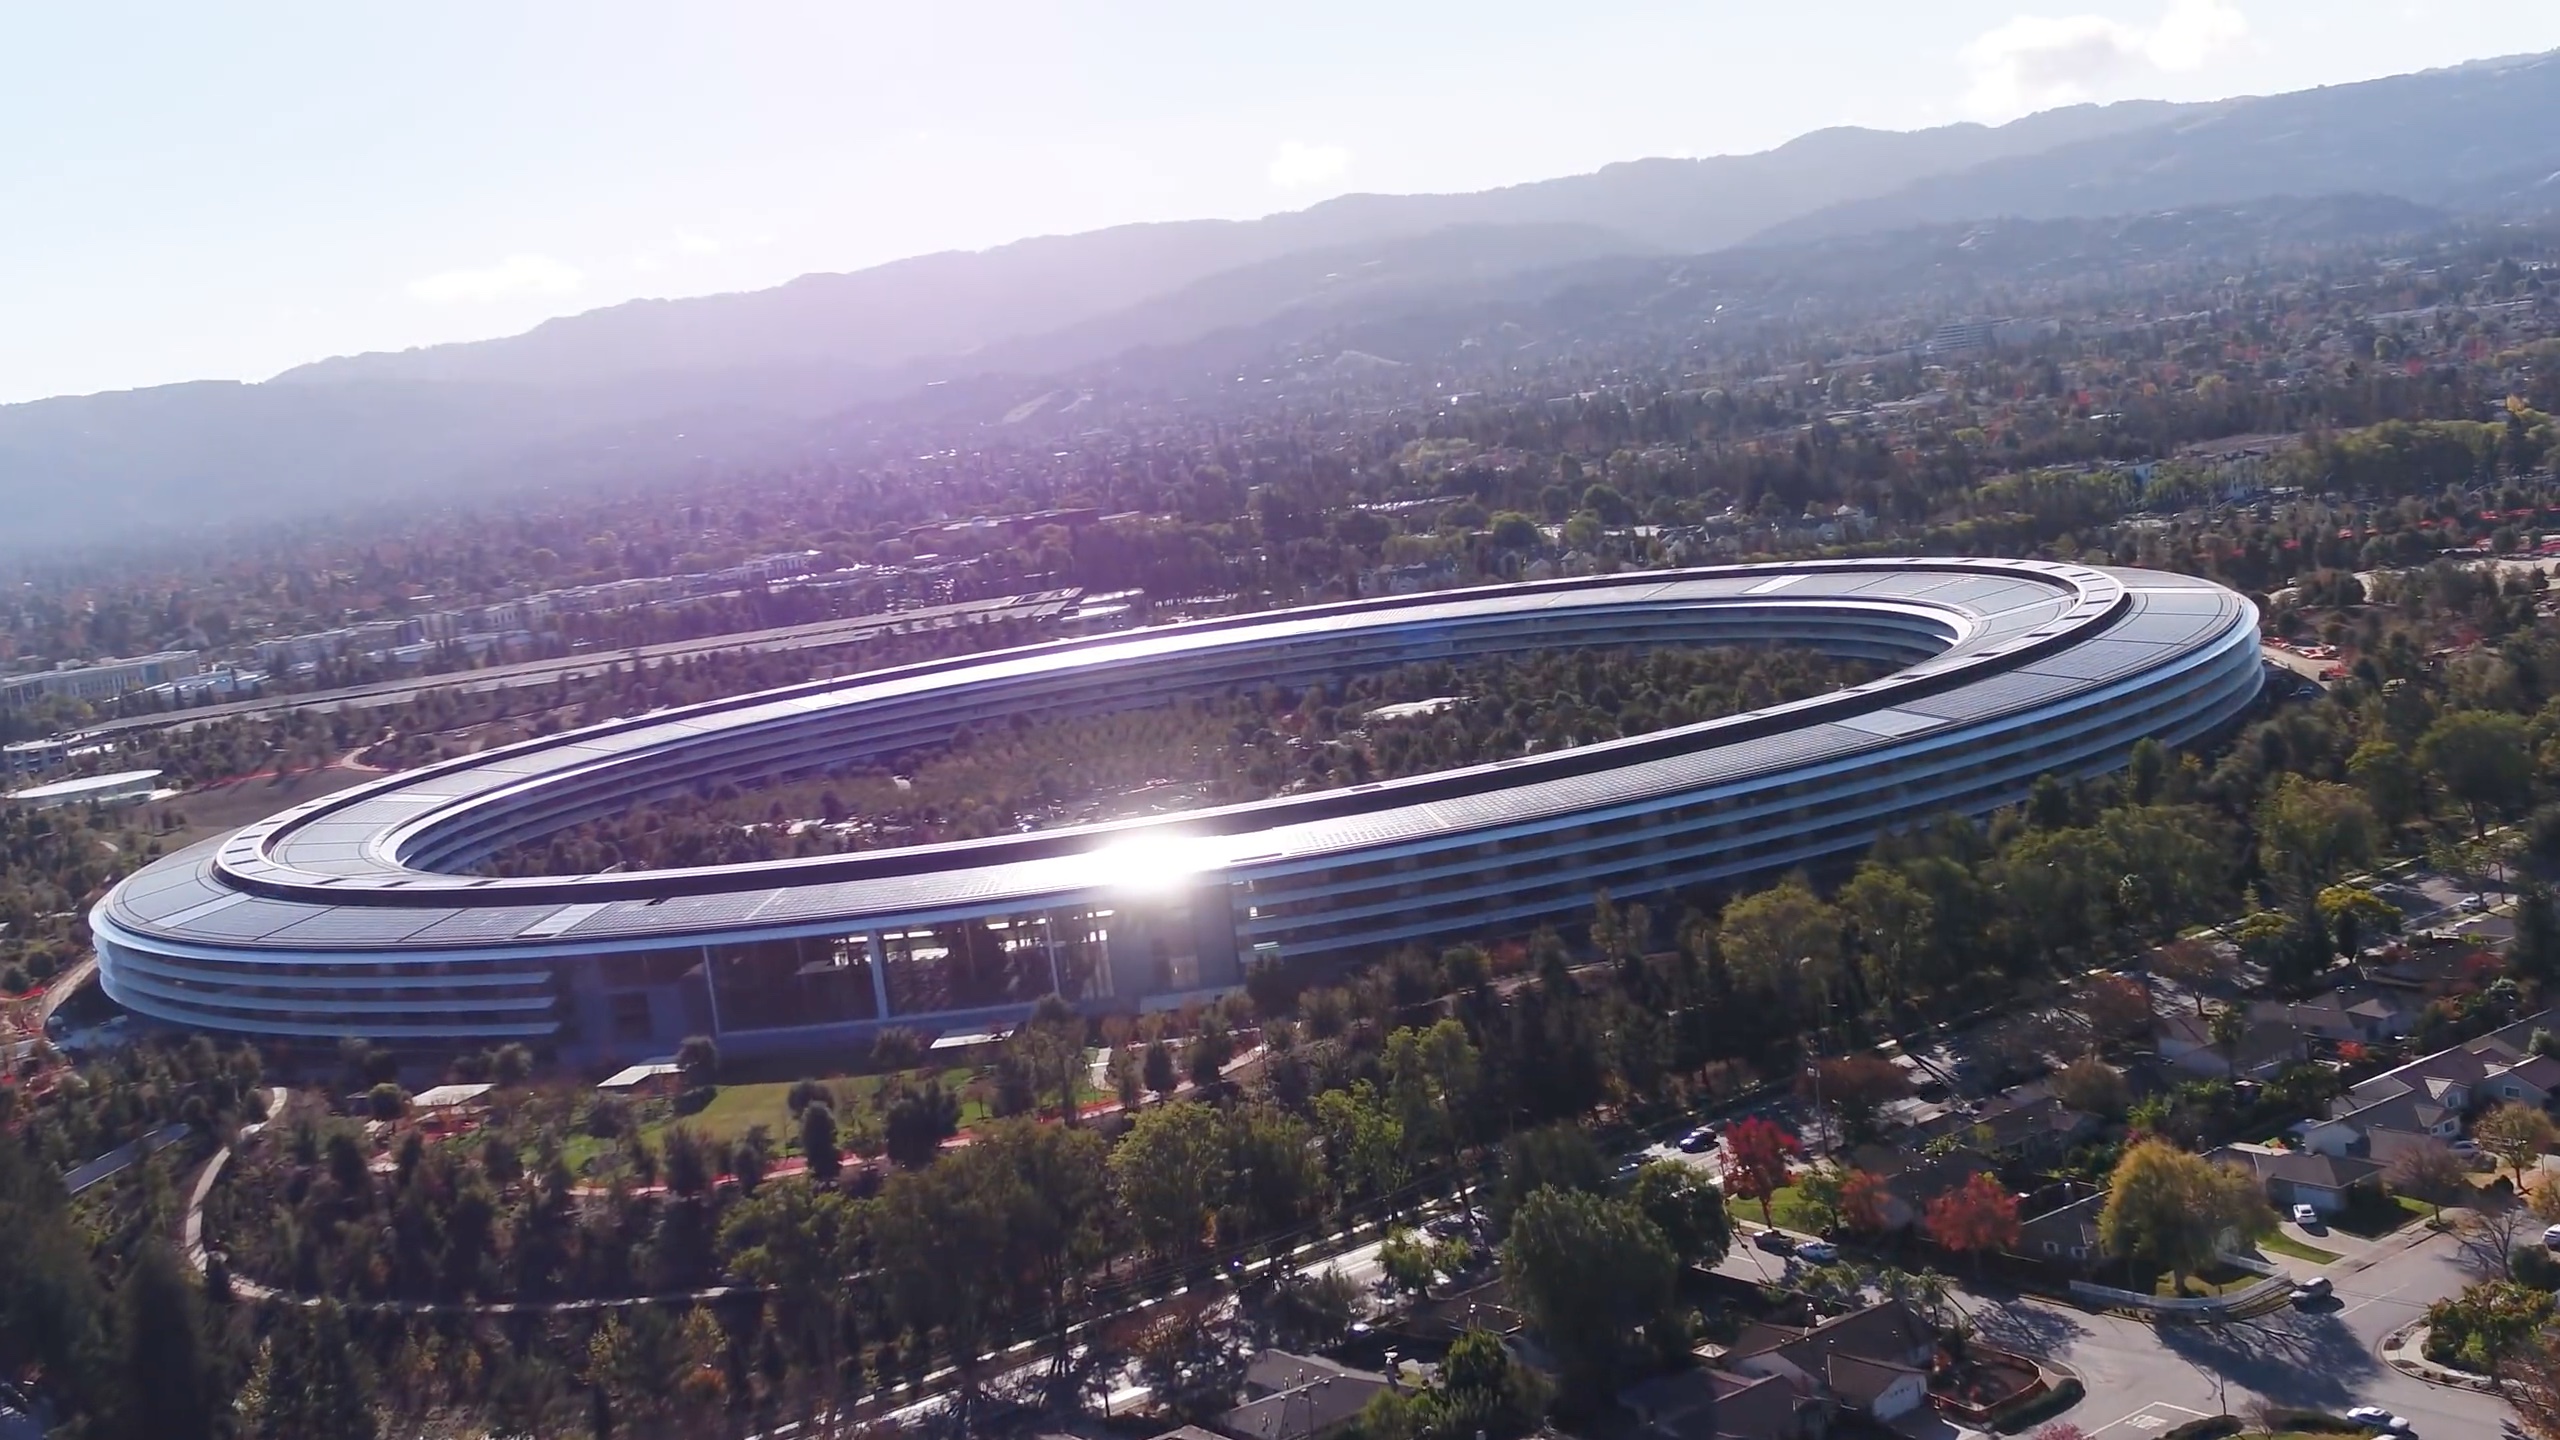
column 192, row 191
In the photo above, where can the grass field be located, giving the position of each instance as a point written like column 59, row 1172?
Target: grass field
column 1787, row 1209
column 738, row 1108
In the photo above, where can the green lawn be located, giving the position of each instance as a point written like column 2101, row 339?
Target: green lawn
column 2214, row 1280
column 2279, row 1243
column 737, row 1107
column 1787, row 1211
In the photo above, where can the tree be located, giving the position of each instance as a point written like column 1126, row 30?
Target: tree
column 1855, row 1088
column 170, row 1386
column 2310, row 831
column 1821, row 1193
column 2195, row 965
column 1863, row 1200
column 818, row 1142
column 1769, row 938
column 1587, row 1273
column 2517, row 1134
column 801, row 1242
column 698, row 1061
column 1756, row 1152
column 2092, row 1085
column 918, row 1120
column 2353, row 914
column 2529, row 1374
column 1686, row 1209
column 1561, row 1156
column 2484, row 760
column 2391, row 784
column 1169, row 1174
column 512, row 1065
column 2429, row 1170
column 1975, row 1218
column 2118, row 1009
column 305, row 1384
column 1158, row 1069
column 2489, row 1321
column 2174, row 1210
column 1895, row 925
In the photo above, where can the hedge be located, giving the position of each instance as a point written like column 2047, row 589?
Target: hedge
column 2211, row 1427
column 2036, row 1409
column 2315, row 1422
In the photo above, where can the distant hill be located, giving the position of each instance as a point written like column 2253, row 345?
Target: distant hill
column 955, row 304
column 2484, row 136
column 652, row 388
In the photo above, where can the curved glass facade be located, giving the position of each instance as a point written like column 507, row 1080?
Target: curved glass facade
column 348, row 916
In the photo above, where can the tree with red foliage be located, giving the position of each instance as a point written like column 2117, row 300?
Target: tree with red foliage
column 1756, row 1151
column 1974, row 1218
column 1862, row 1200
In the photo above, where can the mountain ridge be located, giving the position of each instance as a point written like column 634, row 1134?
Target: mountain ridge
column 653, row 386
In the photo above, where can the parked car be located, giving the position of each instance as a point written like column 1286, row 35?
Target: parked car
column 1699, row 1141
column 1817, row 1252
column 2551, row 1237
column 2306, row 1216
column 2313, row 1290
column 1776, row 1242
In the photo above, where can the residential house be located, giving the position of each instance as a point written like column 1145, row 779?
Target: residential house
column 2186, row 1042
column 2365, row 1014
column 2326, row 1183
column 2432, row 1094
column 1299, row 1397
column 1705, row 1403
column 2066, row 1237
column 1874, row 1361
column 1913, row 1178
column 2036, row 1128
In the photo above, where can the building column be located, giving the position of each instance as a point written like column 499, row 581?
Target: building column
column 879, row 972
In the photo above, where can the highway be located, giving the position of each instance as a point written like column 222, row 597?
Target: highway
column 816, row 635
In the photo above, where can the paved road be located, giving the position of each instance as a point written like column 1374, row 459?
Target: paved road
column 818, row 634
column 2144, row 1378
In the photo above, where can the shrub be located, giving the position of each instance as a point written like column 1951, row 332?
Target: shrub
column 2211, row 1427
column 2036, row 1409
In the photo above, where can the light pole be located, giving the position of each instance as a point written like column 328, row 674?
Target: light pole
column 1822, row 1022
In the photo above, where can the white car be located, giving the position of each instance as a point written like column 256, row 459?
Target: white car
column 2305, row 1216
column 2551, row 1237
column 1817, row 1252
